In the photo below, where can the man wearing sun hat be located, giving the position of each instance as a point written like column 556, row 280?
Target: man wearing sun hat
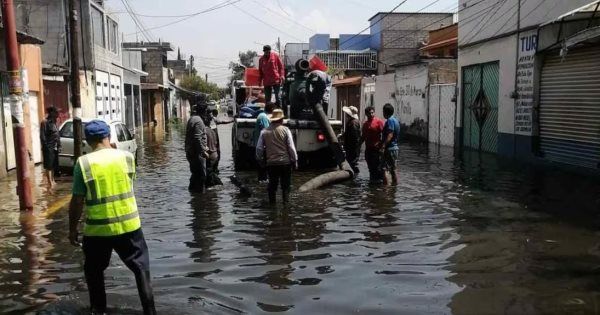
column 351, row 137
column 276, row 149
column 103, row 183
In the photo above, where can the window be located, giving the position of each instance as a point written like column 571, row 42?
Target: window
column 113, row 35
column 128, row 135
column 120, row 133
column 98, row 27
column 67, row 130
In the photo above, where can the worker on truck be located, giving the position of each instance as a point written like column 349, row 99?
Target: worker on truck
column 271, row 74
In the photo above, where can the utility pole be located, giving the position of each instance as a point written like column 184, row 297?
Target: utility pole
column 75, row 84
column 206, row 77
column 15, row 86
column 278, row 45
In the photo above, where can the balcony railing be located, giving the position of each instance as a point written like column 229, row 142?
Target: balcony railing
column 349, row 60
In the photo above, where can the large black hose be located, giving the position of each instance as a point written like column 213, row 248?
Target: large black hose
column 345, row 172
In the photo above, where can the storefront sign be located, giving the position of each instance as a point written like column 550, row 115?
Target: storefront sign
column 525, row 79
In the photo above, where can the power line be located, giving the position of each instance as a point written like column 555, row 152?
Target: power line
column 137, row 22
column 213, row 8
column 368, row 27
column 265, row 23
column 401, row 20
column 285, row 17
column 499, row 4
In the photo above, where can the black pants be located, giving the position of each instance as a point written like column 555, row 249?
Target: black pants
column 352, row 156
column 374, row 162
column 279, row 173
column 198, row 177
column 212, row 172
column 273, row 89
column 133, row 251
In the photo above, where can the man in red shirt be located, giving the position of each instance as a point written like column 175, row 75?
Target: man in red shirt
column 272, row 74
column 371, row 136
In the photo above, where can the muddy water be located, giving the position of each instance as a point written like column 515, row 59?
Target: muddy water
column 465, row 235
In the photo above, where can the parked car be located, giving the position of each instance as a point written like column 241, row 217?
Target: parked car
column 120, row 137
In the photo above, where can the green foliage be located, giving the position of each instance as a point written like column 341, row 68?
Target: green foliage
column 246, row 60
column 197, row 84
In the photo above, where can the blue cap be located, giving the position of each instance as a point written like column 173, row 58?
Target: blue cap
column 97, row 129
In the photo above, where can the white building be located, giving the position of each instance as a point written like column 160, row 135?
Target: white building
column 518, row 94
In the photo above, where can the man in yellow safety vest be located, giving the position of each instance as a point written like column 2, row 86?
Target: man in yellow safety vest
column 103, row 182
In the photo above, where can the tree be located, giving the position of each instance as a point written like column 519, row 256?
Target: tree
column 246, row 60
column 197, row 84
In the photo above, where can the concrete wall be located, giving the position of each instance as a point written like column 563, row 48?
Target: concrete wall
column 294, row 51
column 319, row 42
column 411, row 106
column 152, row 63
column 355, row 42
column 501, row 16
column 375, row 31
column 46, row 20
column 442, row 71
column 403, row 33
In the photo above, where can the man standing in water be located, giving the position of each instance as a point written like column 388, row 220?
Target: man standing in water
column 50, row 139
column 389, row 148
column 196, row 150
column 371, row 136
column 262, row 123
column 277, row 144
column 103, row 182
column 352, row 137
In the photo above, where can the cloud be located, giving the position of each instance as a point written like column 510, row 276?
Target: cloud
column 324, row 22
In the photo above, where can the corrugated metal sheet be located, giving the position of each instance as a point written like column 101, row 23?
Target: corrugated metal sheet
column 570, row 108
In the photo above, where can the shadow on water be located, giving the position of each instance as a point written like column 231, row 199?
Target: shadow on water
column 465, row 234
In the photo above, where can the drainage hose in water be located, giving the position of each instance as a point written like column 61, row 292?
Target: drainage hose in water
column 345, row 172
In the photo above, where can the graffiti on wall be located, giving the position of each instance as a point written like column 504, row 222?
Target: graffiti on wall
column 411, row 82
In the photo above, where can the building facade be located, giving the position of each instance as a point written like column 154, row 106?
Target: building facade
column 398, row 36
column 156, row 85
column 527, row 86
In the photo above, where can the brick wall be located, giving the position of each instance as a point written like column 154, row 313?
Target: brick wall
column 403, row 34
column 442, row 71
column 152, row 64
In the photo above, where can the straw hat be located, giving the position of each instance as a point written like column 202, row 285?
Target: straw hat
column 277, row 115
column 351, row 111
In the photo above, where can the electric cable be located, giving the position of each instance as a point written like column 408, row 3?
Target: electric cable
column 265, row 23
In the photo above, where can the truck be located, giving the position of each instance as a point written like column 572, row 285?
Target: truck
column 311, row 143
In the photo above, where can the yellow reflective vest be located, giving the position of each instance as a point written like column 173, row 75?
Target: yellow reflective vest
column 110, row 206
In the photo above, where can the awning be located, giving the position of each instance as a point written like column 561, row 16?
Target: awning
column 184, row 90
column 24, row 38
column 348, row 82
column 444, row 43
column 576, row 27
column 590, row 8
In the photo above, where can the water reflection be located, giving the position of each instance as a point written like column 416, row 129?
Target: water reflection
column 475, row 234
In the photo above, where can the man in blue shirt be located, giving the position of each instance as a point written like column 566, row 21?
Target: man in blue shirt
column 390, row 135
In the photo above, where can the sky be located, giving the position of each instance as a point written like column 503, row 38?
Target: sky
column 215, row 38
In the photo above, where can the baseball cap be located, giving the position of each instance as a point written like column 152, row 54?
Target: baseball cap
column 96, row 129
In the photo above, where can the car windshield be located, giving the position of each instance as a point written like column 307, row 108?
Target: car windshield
column 67, row 130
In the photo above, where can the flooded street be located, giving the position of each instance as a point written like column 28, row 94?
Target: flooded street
column 469, row 235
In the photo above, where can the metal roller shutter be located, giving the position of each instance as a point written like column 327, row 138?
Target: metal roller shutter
column 570, row 108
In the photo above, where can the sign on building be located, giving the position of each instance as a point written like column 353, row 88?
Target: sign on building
column 525, row 82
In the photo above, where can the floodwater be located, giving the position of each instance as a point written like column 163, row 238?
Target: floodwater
column 471, row 234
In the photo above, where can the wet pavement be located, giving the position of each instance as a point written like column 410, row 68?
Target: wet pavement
column 472, row 234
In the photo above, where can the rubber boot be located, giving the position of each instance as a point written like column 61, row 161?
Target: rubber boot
column 145, row 291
